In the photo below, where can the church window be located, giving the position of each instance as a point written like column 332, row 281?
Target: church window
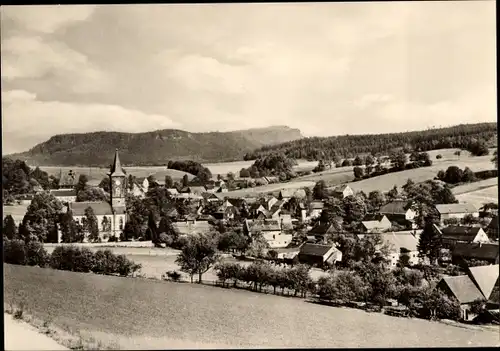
column 121, row 223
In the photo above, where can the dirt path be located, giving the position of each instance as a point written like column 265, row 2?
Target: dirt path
column 20, row 335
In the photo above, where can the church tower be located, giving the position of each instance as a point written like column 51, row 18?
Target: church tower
column 117, row 184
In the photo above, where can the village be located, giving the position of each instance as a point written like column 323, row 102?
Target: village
column 327, row 230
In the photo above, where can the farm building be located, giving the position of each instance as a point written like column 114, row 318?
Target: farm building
column 318, row 255
column 375, row 224
column 455, row 234
column 401, row 243
column 270, row 230
column 457, row 211
column 342, row 191
column 486, row 278
column 64, row 195
column 400, row 212
column 475, row 251
column 463, row 289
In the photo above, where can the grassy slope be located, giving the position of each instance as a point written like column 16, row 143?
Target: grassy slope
column 148, row 312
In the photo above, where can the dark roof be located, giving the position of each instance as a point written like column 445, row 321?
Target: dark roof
column 63, row 192
column 395, row 207
column 462, row 288
column 314, row 249
column 494, row 223
column 320, row 229
column 461, row 233
column 340, row 188
column 476, row 251
column 100, row 208
column 116, row 167
column 373, row 217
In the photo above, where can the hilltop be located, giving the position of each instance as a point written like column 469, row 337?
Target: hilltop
column 347, row 146
column 153, row 148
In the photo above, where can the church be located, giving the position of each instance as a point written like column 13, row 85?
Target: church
column 111, row 216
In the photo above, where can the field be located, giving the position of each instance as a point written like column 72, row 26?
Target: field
column 270, row 188
column 95, row 175
column 140, row 313
column 485, row 191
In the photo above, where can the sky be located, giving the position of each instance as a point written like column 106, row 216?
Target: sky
column 326, row 68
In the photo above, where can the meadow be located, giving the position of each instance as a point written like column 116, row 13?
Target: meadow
column 480, row 197
column 140, row 313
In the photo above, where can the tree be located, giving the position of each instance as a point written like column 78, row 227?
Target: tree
column 82, row 183
column 430, row 242
column 9, row 227
column 169, row 182
column 104, row 184
column 244, row 173
column 393, row 193
column 232, row 241
column 358, row 172
column 91, row 194
column 376, row 200
column 41, row 217
column 198, row 256
column 457, row 153
column 398, row 159
column 152, row 229
column 478, row 148
column 71, row 231
column 369, row 160
column 495, row 159
column 346, row 163
column 185, row 180
column 354, row 208
column 257, row 246
column 358, row 161
column 453, row 175
column 90, row 225
column 320, row 191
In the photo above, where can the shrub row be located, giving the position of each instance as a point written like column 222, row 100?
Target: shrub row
column 259, row 275
column 68, row 258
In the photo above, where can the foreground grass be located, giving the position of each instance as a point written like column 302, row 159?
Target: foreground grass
column 139, row 313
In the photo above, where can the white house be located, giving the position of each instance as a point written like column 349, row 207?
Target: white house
column 399, row 241
column 465, row 234
column 400, row 212
column 270, row 230
column 458, row 211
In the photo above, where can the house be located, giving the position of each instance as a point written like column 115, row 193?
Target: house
column 375, row 224
column 400, row 212
column 475, row 251
column 173, row 192
column 138, row 191
column 320, row 231
column 401, row 243
column 463, row 289
column 111, row 216
column 270, row 230
column 64, row 195
column 458, row 211
column 142, row 183
column 492, row 229
column 315, row 209
column 191, row 226
column 68, row 180
column 342, row 191
column 318, row 255
column 465, row 234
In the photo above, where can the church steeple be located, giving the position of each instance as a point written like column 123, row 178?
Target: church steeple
column 116, row 167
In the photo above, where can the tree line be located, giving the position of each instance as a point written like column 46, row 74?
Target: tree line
column 472, row 137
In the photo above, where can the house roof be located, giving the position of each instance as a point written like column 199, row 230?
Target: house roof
column 374, row 217
column 316, row 205
column 456, row 208
column 461, row 233
column 372, row 225
column 315, row 249
column 197, row 189
column 485, row 278
column 462, row 288
column 400, row 240
column 320, row 229
column 63, row 192
column 395, row 207
column 476, row 251
column 262, row 225
column 341, row 188
column 172, row 191
column 101, row 208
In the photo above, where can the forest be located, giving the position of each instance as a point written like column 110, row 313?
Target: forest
column 472, row 137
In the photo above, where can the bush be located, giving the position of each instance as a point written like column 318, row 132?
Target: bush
column 438, row 305
column 173, row 276
column 112, row 239
column 439, row 156
column 14, row 252
column 36, row 255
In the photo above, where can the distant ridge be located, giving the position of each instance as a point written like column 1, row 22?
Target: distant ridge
column 153, row 148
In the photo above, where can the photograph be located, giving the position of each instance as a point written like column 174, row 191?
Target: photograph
column 250, row 175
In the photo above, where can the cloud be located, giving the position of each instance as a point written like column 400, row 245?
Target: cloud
column 34, row 121
column 47, row 19
column 37, row 58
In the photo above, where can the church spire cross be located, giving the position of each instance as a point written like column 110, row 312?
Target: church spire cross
column 116, row 168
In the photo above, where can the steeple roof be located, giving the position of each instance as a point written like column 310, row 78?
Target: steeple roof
column 116, row 167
